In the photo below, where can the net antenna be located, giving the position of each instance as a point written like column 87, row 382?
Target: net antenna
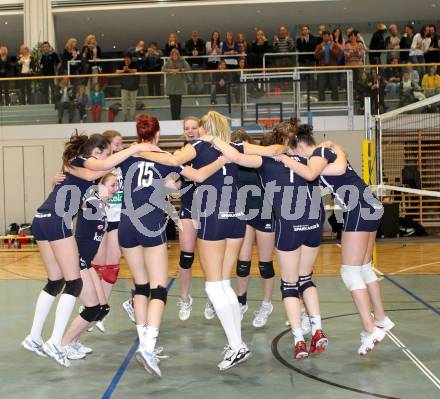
column 408, row 159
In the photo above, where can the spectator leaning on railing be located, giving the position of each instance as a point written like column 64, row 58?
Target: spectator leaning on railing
column 326, row 54
column 153, row 63
column 419, row 46
column 432, row 55
column 6, row 71
column 213, row 48
column 230, row 47
column 176, row 81
column 354, row 54
column 70, row 53
column 340, row 42
column 306, row 43
column 129, row 87
column 50, row 63
column 405, row 43
column 283, row 43
column 25, row 68
column 243, row 45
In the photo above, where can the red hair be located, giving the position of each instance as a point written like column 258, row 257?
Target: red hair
column 146, row 126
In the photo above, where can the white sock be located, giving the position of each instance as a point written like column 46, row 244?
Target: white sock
column 297, row 335
column 42, row 309
column 303, row 312
column 315, row 322
column 225, row 313
column 266, row 305
column 141, row 330
column 62, row 316
column 233, row 300
column 151, row 334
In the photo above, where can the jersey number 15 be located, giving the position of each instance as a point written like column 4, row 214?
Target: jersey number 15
column 145, row 177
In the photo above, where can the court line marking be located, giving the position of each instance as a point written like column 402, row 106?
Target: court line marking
column 413, row 268
column 121, row 370
column 422, row 367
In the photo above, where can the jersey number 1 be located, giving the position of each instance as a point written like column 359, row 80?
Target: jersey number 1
column 145, row 177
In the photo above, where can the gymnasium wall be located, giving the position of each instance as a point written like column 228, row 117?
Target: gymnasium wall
column 31, row 155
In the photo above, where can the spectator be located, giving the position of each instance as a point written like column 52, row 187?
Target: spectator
column 362, row 88
column 172, row 43
column 70, row 53
column 432, row 55
column 321, row 29
column 377, row 43
column 359, row 37
column 283, row 43
column 213, row 48
column 129, row 87
column 376, row 84
column 354, row 54
column 90, row 53
column 393, row 76
column 82, row 100
column 431, row 82
column 195, row 47
column 413, row 73
column 138, row 54
column 220, row 81
column 326, row 54
column 65, row 99
column 97, row 102
column 419, row 47
column 6, row 71
column 50, row 63
column 405, row 43
column 258, row 47
column 176, row 81
column 243, row 45
column 25, row 69
column 153, row 63
column 392, row 42
column 230, row 47
column 409, row 90
column 340, row 42
column 306, row 43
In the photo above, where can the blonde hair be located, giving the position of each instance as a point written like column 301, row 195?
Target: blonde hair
column 106, row 177
column 111, row 134
column 216, row 125
column 69, row 43
column 191, row 118
column 88, row 39
column 260, row 31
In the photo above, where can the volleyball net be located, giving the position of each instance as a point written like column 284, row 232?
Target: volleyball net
column 407, row 160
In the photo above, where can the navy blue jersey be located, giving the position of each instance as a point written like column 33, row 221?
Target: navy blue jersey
column 334, row 183
column 78, row 188
column 294, row 199
column 144, row 186
column 224, row 181
column 187, row 188
column 92, row 219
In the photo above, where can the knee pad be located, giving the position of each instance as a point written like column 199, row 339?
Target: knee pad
column 368, row 273
column 243, row 268
column 110, row 274
column 159, row 293
column 54, row 287
column 352, row 277
column 142, row 289
column 289, row 290
column 305, row 282
column 186, row 259
column 90, row 313
column 99, row 270
column 266, row 269
column 73, row 287
column 103, row 311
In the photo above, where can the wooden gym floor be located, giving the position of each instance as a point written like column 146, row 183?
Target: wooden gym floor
column 405, row 365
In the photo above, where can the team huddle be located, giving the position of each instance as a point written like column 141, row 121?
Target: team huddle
column 233, row 193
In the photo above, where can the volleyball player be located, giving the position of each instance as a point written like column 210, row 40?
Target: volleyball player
column 297, row 238
column 221, row 229
column 52, row 230
column 90, row 229
column 260, row 231
column 187, row 228
column 362, row 217
column 107, row 259
column 142, row 235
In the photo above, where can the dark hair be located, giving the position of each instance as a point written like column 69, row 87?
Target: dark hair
column 146, row 126
column 410, row 27
column 81, row 144
column 128, row 55
column 433, row 26
column 281, row 133
column 304, row 134
column 152, row 44
column 46, row 42
column 340, row 38
column 241, row 135
column 212, row 38
column 422, row 31
column 326, row 32
column 353, row 32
